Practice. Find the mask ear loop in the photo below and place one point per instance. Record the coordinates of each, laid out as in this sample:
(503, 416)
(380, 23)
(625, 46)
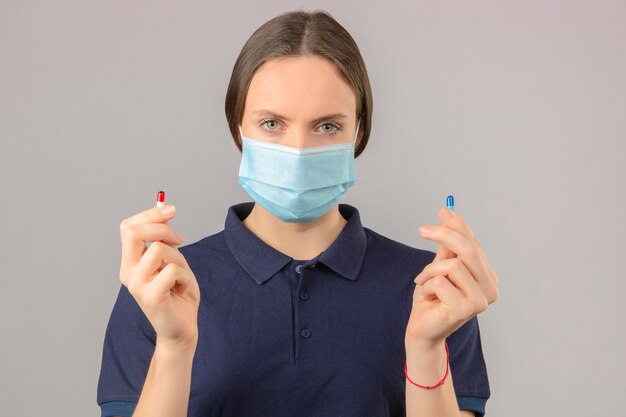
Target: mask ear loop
(357, 131)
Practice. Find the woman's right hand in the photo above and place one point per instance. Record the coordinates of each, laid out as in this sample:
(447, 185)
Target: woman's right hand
(159, 278)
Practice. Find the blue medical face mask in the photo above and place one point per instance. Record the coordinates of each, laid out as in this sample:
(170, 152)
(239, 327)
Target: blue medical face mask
(297, 185)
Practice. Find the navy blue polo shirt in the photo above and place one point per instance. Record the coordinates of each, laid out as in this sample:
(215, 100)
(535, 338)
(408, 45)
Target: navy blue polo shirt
(292, 337)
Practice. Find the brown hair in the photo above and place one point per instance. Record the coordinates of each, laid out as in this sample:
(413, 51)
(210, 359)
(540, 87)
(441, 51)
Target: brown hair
(293, 34)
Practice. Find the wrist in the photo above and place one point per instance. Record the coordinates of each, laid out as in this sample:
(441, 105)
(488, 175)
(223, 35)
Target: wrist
(179, 349)
(427, 363)
(424, 345)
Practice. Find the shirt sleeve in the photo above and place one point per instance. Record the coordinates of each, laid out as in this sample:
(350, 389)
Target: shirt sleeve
(117, 408)
(468, 368)
(129, 344)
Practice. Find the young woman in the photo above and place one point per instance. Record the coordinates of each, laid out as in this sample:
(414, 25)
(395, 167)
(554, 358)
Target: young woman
(296, 308)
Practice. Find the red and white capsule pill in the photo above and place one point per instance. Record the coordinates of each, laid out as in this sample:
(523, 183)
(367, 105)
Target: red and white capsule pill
(160, 199)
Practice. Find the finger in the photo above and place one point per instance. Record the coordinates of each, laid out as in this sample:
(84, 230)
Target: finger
(134, 234)
(443, 253)
(151, 215)
(493, 275)
(157, 256)
(456, 222)
(453, 220)
(171, 278)
(466, 250)
(454, 303)
(152, 232)
(459, 276)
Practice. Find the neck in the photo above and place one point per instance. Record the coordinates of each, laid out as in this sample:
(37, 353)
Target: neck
(301, 241)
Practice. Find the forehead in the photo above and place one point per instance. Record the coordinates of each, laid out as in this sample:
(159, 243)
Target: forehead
(300, 85)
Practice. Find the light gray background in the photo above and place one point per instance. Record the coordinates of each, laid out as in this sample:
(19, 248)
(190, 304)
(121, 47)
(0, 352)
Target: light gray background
(516, 108)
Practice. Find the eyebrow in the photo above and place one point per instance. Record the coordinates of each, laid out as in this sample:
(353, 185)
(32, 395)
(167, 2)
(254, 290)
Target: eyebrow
(319, 119)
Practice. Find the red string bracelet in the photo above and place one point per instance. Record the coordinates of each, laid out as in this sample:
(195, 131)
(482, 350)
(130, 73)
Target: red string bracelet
(442, 379)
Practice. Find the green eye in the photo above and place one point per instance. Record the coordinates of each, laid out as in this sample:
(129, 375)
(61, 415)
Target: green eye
(328, 125)
(270, 121)
(272, 125)
(333, 128)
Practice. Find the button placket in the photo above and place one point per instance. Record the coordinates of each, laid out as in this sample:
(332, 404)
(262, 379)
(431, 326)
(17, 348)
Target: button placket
(304, 295)
(303, 332)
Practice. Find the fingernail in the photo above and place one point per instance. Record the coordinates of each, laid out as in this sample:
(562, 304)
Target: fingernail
(426, 229)
(168, 210)
(180, 237)
(448, 213)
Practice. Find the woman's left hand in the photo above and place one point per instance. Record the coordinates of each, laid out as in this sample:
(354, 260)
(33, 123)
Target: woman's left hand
(451, 289)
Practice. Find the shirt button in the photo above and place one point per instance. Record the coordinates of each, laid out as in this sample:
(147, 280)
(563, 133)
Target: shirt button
(299, 269)
(304, 295)
(305, 333)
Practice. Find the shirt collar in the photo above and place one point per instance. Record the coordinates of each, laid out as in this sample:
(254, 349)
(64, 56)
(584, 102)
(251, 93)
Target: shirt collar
(261, 261)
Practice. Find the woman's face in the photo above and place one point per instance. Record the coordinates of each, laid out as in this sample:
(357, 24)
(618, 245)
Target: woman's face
(301, 102)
